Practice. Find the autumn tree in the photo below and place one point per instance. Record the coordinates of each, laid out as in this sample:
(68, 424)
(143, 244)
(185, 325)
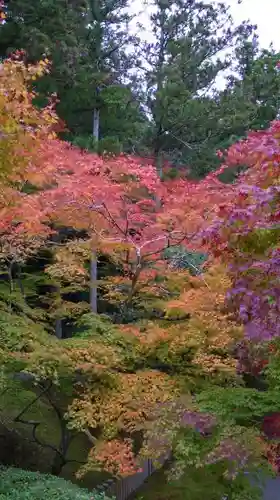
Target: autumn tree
(21, 123)
(255, 233)
(242, 418)
(23, 127)
(246, 235)
(43, 367)
(118, 210)
(120, 386)
(113, 201)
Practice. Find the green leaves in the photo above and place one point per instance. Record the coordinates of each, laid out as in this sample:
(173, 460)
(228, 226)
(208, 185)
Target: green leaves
(18, 484)
(87, 47)
(258, 241)
(239, 404)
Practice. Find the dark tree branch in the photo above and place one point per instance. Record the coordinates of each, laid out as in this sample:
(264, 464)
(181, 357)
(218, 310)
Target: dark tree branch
(60, 452)
(35, 424)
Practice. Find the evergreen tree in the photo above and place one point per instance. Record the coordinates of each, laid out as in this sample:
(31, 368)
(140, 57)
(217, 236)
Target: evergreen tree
(95, 56)
(184, 63)
(192, 118)
(258, 81)
(86, 42)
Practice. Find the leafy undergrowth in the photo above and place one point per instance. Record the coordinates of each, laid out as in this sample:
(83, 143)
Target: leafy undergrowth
(17, 484)
(197, 484)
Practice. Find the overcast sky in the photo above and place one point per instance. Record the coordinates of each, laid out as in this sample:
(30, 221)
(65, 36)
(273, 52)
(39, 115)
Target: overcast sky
(264, 13)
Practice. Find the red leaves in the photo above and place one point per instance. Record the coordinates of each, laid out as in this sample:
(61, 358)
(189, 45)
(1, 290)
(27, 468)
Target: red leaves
(271, 426)
(119, 199)
(23, 132)
(117, 457)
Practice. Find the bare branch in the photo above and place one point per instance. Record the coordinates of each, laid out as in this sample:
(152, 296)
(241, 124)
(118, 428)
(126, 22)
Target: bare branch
(90, 436)
(35, 424)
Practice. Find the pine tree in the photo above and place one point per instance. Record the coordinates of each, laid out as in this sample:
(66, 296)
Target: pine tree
(184, 63)
(86, 42)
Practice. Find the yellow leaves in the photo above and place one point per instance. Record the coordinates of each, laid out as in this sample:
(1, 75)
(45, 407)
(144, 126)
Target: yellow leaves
(116, 289)
(47, 359)
(177, 282)
(86, 353)
(115, 249)
(22, 125)
(67, 309)
(80, 415)
(52, 135)
(137, 396)
(124, 408)
(175, 310)
(33, 72)
(184, 338)
(210, 329)
(8, 125)
(69, 263)
(197, 333)
(204, 296)
(211, 363)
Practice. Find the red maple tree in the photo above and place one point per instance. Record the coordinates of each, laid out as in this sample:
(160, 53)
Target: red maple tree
(126, 210)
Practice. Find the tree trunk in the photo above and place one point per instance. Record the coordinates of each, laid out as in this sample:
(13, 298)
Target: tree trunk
(58, 321)
(93, 282)
(58, 328)
(158, 107)
(57, 465)
(95, 125)
(93, 261)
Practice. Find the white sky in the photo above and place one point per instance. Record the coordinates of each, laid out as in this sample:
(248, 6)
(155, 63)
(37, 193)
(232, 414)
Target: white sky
(264, 13)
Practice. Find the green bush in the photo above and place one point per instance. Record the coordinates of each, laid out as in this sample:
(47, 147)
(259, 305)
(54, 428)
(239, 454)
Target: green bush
(87, 142)
(18, 484)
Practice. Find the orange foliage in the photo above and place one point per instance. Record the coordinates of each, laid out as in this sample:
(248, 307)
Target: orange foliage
(127, 406)
(22, 125)
(125, 209)
(198, 326)
(23, 128)
(130, 214)
(114, 456)
(123, 409)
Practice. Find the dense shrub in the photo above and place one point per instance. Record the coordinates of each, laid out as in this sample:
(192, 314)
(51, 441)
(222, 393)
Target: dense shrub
(18, 484)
